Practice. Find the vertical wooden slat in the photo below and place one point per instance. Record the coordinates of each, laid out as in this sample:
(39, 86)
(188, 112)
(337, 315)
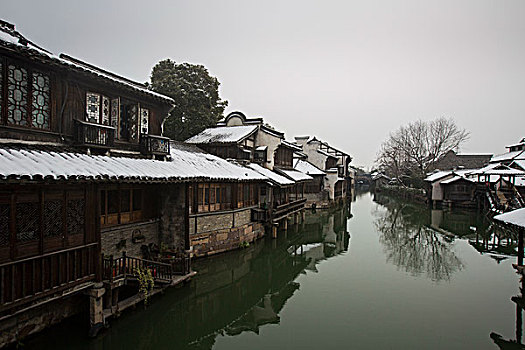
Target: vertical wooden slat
(2, 285)
(67, 268)
(58, 270)
(33, 276)
(13, 294)
(12, 228)
(520, 246)
(24, 279)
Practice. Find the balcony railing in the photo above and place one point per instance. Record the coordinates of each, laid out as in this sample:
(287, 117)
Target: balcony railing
(154, 145)
(283, 210)
(24, 281)
(161, 271)
(94, 135)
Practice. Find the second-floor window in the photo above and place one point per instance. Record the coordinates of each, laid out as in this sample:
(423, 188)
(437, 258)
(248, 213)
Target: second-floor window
(27, 102)
(128, 118)
(283, 157)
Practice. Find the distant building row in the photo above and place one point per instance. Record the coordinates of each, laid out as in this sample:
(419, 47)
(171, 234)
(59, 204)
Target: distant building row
(495, 183)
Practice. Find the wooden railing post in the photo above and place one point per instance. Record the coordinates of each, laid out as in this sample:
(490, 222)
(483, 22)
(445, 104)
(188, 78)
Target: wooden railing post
(102, 266)
(111, 268)
(124, 263)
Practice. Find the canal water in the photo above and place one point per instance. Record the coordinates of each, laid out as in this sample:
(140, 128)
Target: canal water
(378, 274)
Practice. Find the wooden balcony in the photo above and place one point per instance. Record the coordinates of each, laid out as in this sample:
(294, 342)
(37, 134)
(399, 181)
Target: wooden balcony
(283, 210)
(27, 280)
(94, 135)
(154, 145)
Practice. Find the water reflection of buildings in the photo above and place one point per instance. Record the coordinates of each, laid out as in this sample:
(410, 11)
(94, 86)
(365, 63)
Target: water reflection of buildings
(411, 243)
(480, 231)
(234, 292)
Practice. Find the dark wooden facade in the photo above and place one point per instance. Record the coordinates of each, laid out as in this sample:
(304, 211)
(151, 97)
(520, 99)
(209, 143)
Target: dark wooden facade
(50, 228)
(76, 105)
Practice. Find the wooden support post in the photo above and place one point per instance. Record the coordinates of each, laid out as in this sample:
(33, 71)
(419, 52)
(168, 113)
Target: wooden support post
(519, 323)
(520, 247)
(187, 217)
(274, 231)
(285, 223)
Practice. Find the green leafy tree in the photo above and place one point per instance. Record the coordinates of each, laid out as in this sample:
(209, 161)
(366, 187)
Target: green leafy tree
(196, 95)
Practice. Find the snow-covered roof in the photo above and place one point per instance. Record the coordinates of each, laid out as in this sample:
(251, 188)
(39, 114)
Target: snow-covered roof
(517, 144)
(508, 156)
(324, 153)
(295, 175)
(501, 172)
(12, 39)
(188, 163)
(515, 217)
(223, 134)
(292, 145)
(520, 163)
(377, 176)
(261, 148)
(307, 167)
(271, 175)
(437, 175)
(454, 179)
(473, 154)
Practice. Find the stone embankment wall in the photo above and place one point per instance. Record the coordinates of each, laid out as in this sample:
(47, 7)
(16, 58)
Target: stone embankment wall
(14, 329)
(213, 233)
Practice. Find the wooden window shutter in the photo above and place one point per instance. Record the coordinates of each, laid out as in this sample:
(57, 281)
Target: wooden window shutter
(144, 121)
(115, 113)
(105, 109)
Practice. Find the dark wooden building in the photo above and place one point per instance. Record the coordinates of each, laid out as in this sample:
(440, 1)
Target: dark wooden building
(90, 191)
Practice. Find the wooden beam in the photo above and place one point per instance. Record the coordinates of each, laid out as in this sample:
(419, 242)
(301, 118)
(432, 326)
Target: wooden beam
(520, 246)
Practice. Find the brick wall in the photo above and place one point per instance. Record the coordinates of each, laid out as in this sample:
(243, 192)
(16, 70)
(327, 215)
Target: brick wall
(243, 217)
(116, 239)
(215, 232)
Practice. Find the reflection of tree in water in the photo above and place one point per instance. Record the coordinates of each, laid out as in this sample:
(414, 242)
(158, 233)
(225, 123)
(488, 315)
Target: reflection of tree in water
(411, 245)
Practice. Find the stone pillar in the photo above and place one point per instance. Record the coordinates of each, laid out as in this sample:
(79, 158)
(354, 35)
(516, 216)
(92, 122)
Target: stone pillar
(96, 308)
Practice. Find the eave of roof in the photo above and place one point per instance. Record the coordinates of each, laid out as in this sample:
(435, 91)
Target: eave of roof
(14, 41)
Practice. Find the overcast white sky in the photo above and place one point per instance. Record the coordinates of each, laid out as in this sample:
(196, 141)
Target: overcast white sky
(348, 72)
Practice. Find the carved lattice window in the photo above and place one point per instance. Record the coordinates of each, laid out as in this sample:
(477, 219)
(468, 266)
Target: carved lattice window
(105, 110)
(75, 216)
(133, 123)
(27, 216)
(17, 95)
(92, 107)
(115, 113)
(144, 120)
(53, 224)
(40, 109)
(5, 210)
